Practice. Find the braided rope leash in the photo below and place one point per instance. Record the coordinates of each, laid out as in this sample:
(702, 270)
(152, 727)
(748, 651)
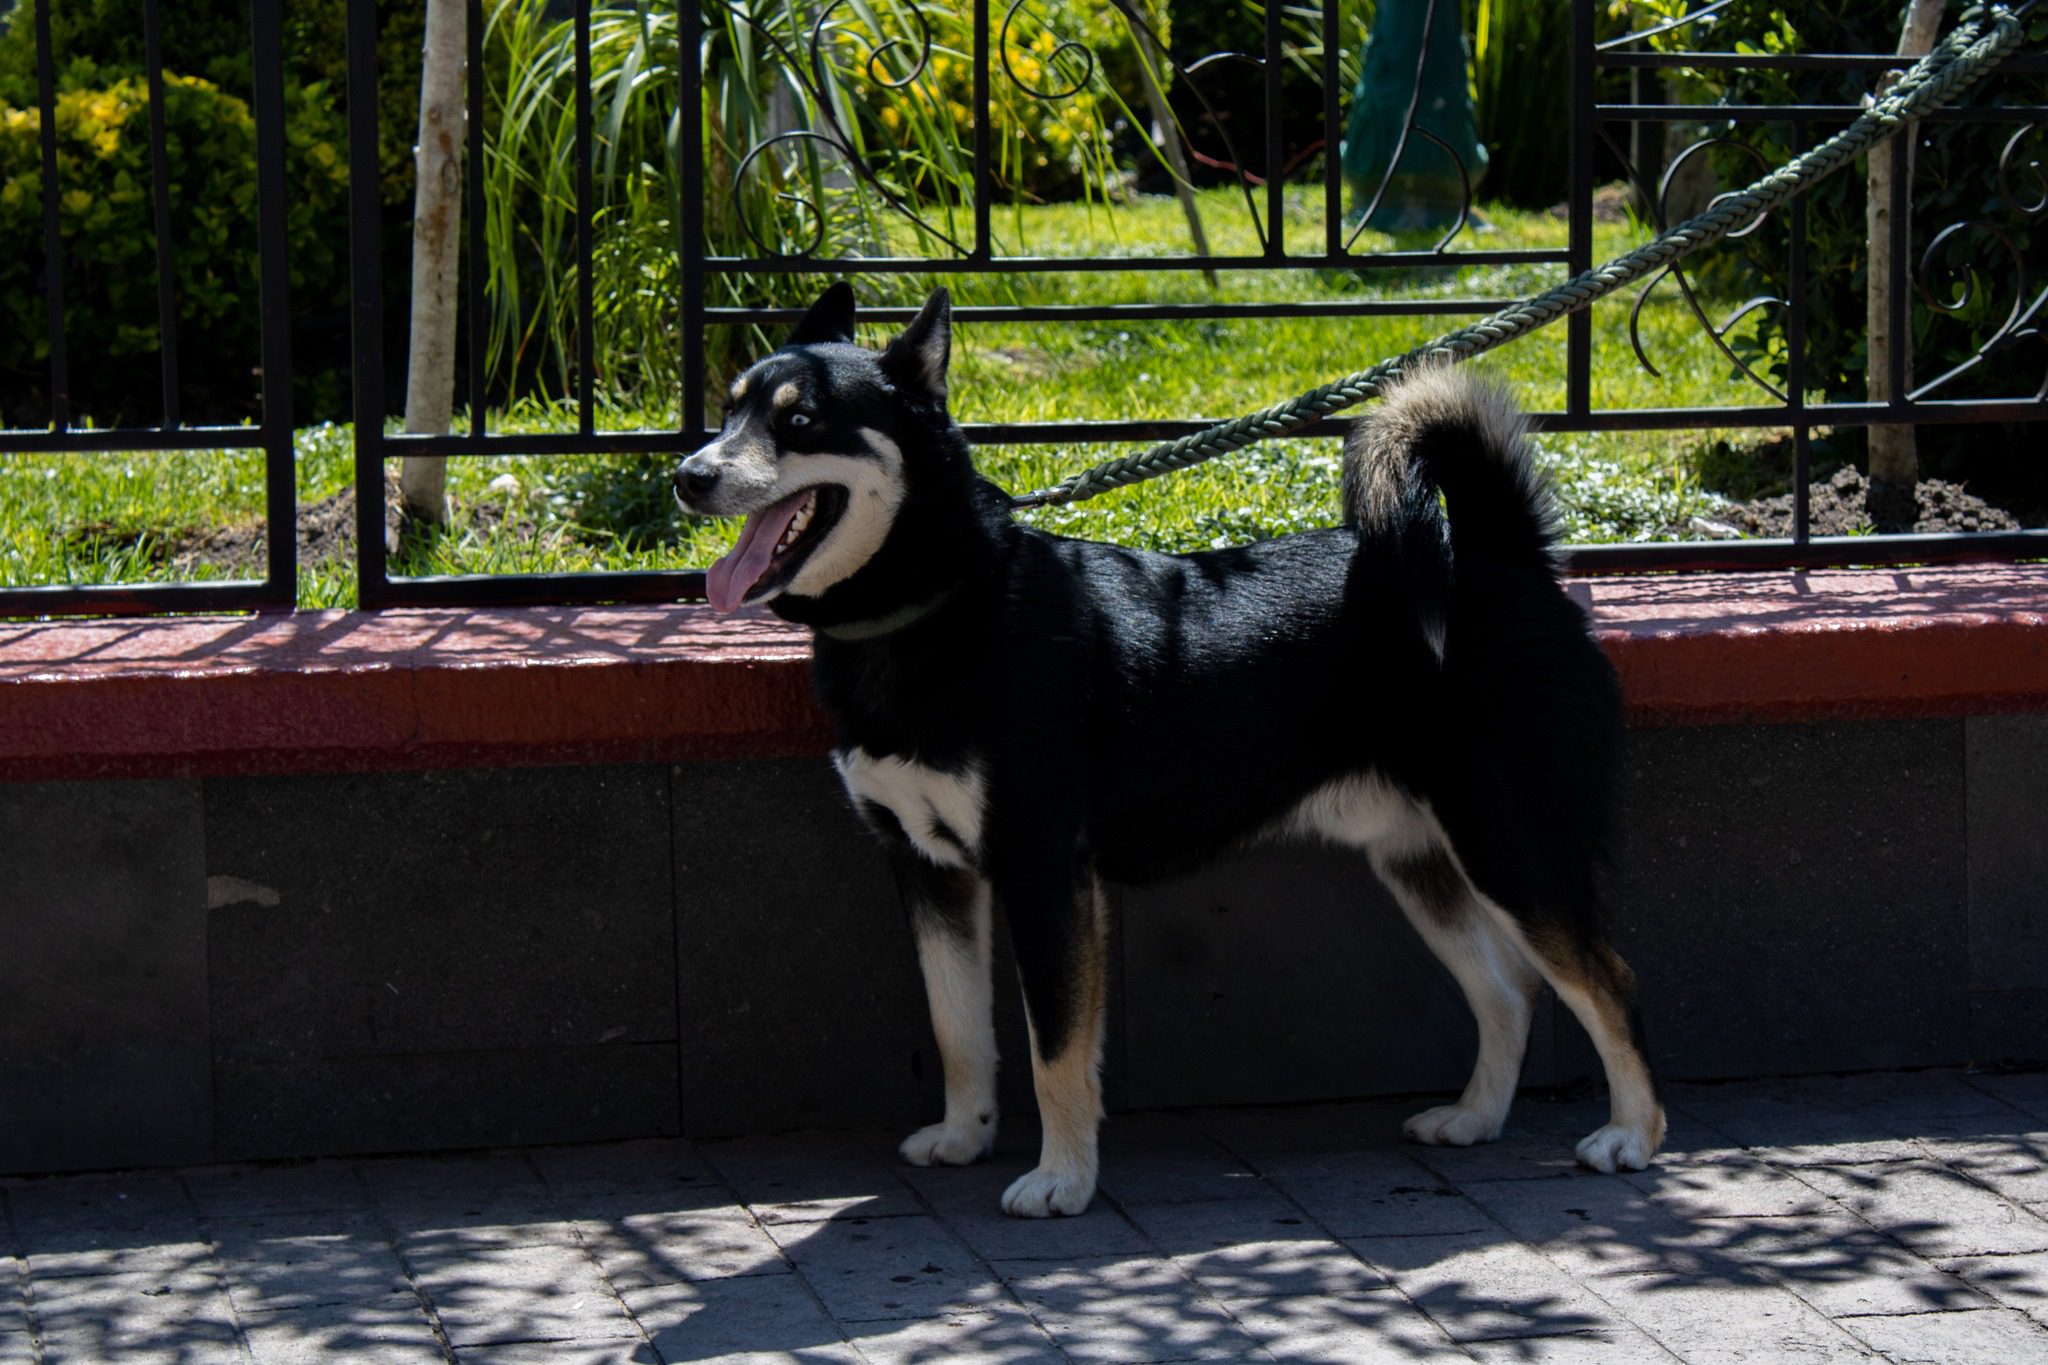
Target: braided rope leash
(1972, 49)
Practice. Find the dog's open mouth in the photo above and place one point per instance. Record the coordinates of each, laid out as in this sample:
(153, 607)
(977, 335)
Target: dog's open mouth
(773, 545)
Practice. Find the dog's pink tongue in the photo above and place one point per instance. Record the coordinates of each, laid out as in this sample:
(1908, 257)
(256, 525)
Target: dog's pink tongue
(728, 581)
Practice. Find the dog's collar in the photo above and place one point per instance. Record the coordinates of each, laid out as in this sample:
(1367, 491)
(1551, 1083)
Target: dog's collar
(888, 623)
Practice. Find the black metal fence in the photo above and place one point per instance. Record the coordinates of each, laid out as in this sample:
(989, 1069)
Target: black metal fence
(272, 434)
(1600, 127)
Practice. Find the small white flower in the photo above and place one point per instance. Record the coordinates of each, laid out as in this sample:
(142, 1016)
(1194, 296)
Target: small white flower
(508, 484)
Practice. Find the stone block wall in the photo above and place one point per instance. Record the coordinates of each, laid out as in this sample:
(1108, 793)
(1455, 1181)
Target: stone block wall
(219, 968)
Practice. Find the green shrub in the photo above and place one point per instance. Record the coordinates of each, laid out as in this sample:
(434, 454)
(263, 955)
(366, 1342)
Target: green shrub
(97, 42)
(99, 48)
(110, 285)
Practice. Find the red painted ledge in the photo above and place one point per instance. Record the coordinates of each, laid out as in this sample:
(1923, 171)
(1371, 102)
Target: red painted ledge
(341, 691)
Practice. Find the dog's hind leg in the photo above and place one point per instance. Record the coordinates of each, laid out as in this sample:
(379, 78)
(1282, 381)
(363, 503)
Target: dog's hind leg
(1063, 958)
(1499, 983)
(1590, 977)
(951, 918)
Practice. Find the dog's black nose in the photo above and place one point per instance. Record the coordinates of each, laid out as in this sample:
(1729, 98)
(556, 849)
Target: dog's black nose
(693, 484)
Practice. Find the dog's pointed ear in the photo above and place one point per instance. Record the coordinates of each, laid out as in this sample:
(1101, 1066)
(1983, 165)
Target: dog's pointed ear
(916, 360)
(830, 318)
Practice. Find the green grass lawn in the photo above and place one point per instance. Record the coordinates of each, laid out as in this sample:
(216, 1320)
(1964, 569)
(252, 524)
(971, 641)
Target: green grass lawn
(146, 517)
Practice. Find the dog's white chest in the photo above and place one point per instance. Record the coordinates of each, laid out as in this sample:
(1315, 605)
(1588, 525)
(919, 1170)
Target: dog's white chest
(939, 811)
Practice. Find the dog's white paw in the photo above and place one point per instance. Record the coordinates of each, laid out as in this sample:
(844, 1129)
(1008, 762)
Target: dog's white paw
(940, 1145)
(1617, 1147)
(1042, 1193)
(1453, 1125)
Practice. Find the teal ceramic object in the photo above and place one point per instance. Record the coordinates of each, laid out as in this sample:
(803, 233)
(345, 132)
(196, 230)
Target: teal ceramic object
(1426, 190)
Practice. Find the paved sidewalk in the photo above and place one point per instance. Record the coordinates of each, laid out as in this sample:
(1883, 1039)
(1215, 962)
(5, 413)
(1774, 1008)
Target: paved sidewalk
(1894, 1217)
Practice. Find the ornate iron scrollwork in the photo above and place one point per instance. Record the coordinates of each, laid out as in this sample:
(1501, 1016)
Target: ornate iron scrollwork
(1659, 203)
(877, 52)
(1946, 277)
(1941, 260)
(832, 135)
(1051, 61)
(2027, 208)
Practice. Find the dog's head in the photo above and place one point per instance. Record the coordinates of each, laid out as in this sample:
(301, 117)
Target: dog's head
(812, 452)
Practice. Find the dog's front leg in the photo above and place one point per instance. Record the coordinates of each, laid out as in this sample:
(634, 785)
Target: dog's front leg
(950, 915)
(1061, 936)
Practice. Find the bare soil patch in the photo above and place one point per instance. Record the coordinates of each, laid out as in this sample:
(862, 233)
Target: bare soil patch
(1838, 510)
(327, 531)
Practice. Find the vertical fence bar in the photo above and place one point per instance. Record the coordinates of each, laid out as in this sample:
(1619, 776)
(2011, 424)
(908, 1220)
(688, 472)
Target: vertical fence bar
(53, 240)
(280, 472)
(479, 248)
(586, 412)
(984, 181)
(1578, 334)
(366, 292)
(690, 150)
(160, 195)
(1795, 358)
(1276, 143)
(1333, 162)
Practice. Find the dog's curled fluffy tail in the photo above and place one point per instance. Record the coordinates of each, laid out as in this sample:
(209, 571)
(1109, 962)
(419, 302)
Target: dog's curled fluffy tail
(1443, 427)
(1446, 429)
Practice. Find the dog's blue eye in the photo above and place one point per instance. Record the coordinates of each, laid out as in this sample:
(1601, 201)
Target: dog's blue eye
(797, 419)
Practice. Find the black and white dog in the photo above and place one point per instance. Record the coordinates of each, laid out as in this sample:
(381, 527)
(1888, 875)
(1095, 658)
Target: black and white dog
(1023, 716)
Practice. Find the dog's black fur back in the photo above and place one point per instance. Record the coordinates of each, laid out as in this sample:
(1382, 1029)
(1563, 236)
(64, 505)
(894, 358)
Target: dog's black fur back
(1164, 707)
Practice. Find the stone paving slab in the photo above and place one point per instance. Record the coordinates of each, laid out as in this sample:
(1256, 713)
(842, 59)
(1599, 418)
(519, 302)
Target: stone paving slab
(641, 1250)
(1964, 1338)
(968, 1199)
(398, 1332)
(1897, 1217)
(2016, 1281)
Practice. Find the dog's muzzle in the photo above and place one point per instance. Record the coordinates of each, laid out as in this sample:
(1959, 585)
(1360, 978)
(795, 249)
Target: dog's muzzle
(694, 480)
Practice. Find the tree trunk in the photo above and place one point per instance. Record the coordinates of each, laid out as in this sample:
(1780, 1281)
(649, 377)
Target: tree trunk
(1894, 457)
(436, 242)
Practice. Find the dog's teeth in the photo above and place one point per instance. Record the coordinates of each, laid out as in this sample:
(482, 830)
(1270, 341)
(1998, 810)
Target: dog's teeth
(797, 524)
